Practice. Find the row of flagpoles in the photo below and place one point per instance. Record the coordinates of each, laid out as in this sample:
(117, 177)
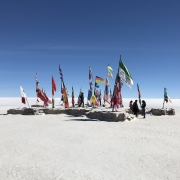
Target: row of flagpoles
(123, 75)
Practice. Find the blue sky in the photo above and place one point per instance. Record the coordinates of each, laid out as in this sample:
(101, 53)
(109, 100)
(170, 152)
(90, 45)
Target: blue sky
(37, 36)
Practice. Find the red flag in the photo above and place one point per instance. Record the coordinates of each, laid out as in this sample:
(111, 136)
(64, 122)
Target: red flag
(53, 84)
(23, 100)
(41, 96)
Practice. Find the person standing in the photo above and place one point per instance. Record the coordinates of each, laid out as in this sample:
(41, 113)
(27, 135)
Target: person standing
(131, 105)
(135, 108)
(143, 106)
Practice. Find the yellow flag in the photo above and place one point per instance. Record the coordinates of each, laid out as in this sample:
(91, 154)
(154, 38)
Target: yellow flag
(93, 98)
(110, 68)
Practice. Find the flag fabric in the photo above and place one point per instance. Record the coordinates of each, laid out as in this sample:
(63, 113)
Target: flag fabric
(117, 91)
(63, 89)
(37, 84)
(90, 78)
(60, 73)
(94, 100)
(106, 95)
(72, 95)
(53, 84)
(96, 85)
(96, 93)
(99, 79)
(89, 94)
(139, 94)
(65, 98)
(53, 89)
(109, 73)
(48, 100)
(109, 68)
(23, 95)
(42, 96)
(106, 92)
(125, 75)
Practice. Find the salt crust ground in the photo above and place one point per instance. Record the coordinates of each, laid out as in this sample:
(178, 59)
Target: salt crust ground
(64, 147)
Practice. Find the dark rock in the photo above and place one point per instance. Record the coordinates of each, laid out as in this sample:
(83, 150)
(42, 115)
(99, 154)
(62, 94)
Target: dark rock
(171, 111)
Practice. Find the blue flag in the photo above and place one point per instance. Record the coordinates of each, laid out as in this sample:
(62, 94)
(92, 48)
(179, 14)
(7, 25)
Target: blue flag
(89, 94)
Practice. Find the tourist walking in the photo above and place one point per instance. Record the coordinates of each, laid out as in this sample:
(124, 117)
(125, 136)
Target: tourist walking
(135, 108)
(143, 106)
(81, 99)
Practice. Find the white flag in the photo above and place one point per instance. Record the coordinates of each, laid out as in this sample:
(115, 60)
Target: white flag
(23, 95)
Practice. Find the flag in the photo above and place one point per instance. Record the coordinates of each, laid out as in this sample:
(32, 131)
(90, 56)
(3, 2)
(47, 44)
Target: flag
(96, 85)
(53, 89)
(48, 100)
(89, 94)
(109, 73)
(53, 84)
(125, 75)
(139, 94)
(107, 82)
(94, 100)
(42, 96)
(72, 95)
(90, 78)
(62, 87)
(166, 97)
(109, 68)
(99, 79)
(23, 95)
(60, 73)
(106, 95)
(65, 98)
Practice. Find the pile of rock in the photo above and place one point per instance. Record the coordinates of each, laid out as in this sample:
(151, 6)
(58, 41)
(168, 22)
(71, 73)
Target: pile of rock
(109, 116)
(90, 113)
(159, 112)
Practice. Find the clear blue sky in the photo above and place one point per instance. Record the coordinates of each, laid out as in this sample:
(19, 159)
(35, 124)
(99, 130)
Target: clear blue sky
(38, 35)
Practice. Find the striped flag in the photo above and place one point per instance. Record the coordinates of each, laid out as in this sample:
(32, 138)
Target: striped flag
(60, 73)
(109, 67)
(99, 79)
(109, 73)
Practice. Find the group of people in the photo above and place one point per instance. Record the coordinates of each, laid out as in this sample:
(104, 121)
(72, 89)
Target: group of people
(135, 109)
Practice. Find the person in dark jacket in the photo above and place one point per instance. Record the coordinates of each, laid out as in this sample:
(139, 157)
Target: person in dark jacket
(135, 108)
(81, 99)
(143, 106)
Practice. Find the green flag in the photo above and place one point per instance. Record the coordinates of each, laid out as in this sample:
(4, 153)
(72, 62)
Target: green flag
(125, 74)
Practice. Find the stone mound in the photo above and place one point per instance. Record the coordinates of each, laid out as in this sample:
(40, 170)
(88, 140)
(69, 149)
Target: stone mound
(90, 113)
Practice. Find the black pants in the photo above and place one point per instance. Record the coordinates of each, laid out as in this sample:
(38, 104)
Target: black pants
(82, 102)
(136, 113)
(143, 112)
